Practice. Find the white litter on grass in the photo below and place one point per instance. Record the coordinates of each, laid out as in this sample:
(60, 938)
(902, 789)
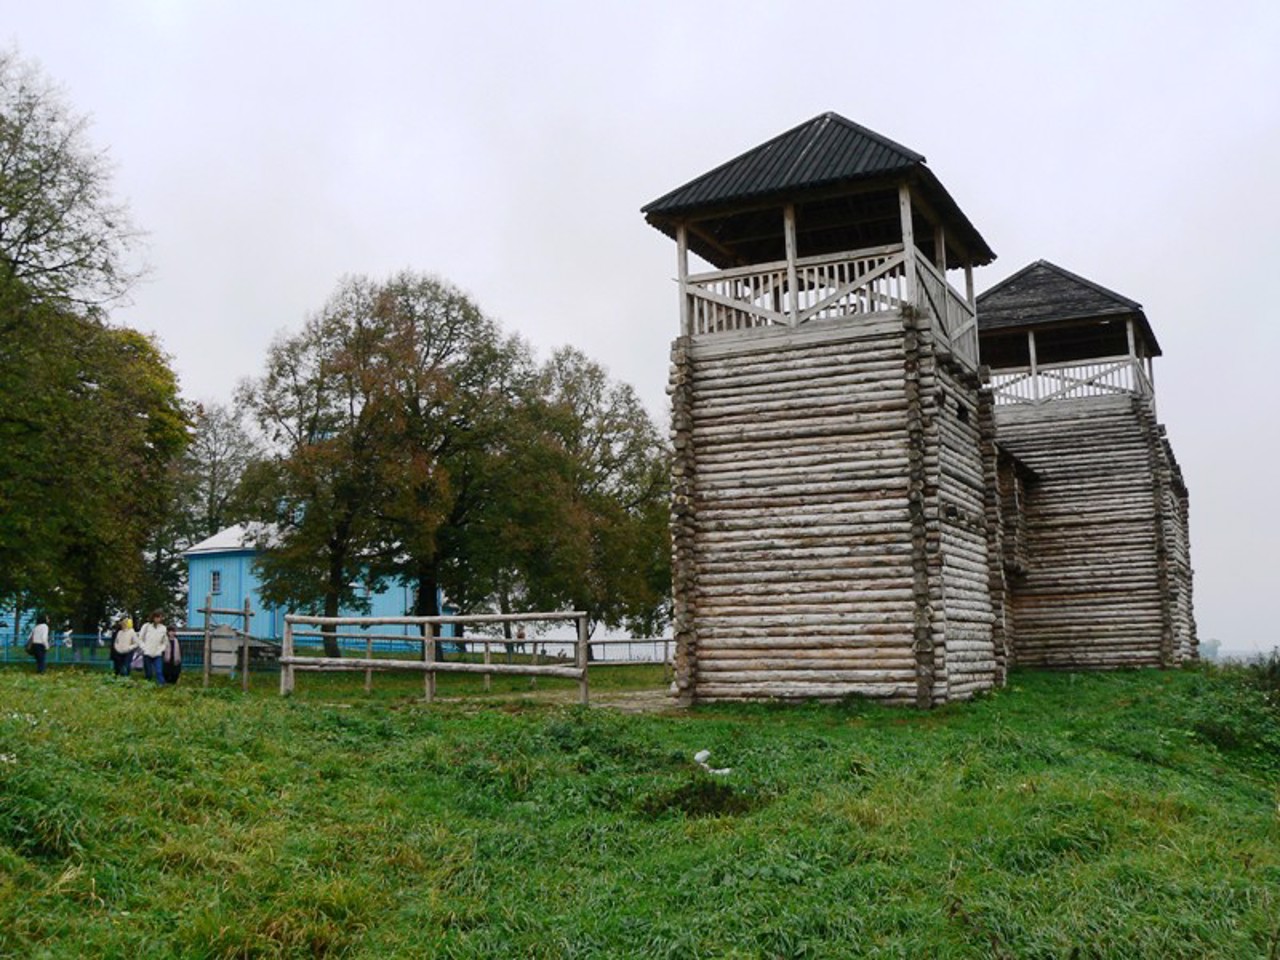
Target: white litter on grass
(701, 758)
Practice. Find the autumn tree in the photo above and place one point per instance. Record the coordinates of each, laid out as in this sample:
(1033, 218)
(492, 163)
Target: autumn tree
(91, 423)
(607, 551)
(453, 394)
(63, 237)
(90, 418)
(413, 441)
(317, 488)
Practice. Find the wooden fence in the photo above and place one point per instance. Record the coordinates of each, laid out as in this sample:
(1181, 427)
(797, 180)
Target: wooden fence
(427, 663)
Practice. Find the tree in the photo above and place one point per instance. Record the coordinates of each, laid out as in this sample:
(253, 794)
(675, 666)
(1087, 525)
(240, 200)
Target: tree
(90, 419)
(204, 482)
(414, 441)
(91, 423)
(452, 394)
(608, 552)
(62, 236)
(318, 486)
(221, 450)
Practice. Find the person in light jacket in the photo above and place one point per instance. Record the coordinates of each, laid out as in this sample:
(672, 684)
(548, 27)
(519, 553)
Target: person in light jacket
(39, 641)
(153, 638)
(125, 643)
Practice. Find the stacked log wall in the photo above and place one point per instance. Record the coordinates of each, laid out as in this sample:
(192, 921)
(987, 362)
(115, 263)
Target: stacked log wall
(1177, 535)
(966, 624)
(1097, 588)
(795, 573)
(829, 519)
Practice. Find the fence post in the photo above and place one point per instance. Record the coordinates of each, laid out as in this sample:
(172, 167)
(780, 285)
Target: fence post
(208, 639)
(583, 695)
(429, 657)
(368, 673)
(488, 677)
(244, 648)
(286, 668)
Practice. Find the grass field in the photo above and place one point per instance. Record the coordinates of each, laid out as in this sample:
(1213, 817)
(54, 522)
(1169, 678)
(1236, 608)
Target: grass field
(1120, 815)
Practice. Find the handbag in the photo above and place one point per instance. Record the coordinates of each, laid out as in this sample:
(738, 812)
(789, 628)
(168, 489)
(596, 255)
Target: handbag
(30, 648)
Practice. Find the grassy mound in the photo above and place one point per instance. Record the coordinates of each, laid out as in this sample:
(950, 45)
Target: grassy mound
(1120, 815)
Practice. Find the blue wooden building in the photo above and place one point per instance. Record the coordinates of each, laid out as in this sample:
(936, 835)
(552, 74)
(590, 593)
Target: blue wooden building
(222, 567)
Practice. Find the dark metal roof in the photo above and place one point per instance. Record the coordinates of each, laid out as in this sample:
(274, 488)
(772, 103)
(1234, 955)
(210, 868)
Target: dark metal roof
(825, 150)
(811, 160)
(1042, 293)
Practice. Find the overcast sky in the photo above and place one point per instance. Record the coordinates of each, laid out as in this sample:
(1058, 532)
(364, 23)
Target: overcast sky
(270, 148)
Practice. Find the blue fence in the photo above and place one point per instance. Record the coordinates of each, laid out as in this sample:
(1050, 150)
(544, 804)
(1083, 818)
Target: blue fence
(89, 650)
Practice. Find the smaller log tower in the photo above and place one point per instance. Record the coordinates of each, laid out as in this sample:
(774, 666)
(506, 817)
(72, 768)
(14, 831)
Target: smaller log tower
(834, 443)
(1102, 574)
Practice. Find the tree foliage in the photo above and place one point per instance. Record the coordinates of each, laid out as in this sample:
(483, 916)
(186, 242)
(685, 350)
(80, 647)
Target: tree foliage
(317, 489)
(413, 441)
(610, 553)
(62, 235)
(90, 419)
(90, 422)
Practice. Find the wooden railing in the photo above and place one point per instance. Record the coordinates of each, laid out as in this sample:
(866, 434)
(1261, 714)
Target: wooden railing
(763, 295)
(1100, 377)
(834, 285)
(955, 324)
(427, 663)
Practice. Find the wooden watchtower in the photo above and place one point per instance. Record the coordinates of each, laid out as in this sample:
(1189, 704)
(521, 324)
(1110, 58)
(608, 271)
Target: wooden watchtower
(834, 444)
(1104, 572)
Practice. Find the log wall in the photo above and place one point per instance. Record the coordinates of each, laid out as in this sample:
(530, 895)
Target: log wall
(830, 517)
(967, 621)
(1105, 555)
(1178, 537)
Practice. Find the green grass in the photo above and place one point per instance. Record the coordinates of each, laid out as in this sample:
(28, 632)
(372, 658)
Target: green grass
(1110, 815)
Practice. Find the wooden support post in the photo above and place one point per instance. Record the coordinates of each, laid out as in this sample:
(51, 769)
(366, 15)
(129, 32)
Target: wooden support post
(1035, 375)
(1135, 373)
(789, 228)
(940, 250)
(208, 635)
(286, 668)
(429, 657)
(488, 677)
(533, 681)
(682, 272)
(244, 648)
(368, 674)
(968, 287)
(908, 240)
(583, 692)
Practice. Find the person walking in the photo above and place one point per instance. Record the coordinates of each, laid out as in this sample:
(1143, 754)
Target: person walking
(172, 657)
(38, 642)
(153, 639)
(123, 646)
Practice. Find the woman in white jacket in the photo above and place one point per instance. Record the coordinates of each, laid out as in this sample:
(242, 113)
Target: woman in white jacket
(153, 638)
(39, 641)
(123, 645)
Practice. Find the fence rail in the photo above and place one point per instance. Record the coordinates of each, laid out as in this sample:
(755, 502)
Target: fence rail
(763, 295)
(93, 650)
(1099, 377)
(429, 663)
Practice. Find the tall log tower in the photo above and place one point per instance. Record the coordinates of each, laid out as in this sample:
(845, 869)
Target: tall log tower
(835, 461)
(1103, 570)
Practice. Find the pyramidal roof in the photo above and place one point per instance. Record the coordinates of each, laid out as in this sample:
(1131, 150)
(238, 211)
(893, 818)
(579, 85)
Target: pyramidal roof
(825, 150)
(1045, 293)
(809, 162)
